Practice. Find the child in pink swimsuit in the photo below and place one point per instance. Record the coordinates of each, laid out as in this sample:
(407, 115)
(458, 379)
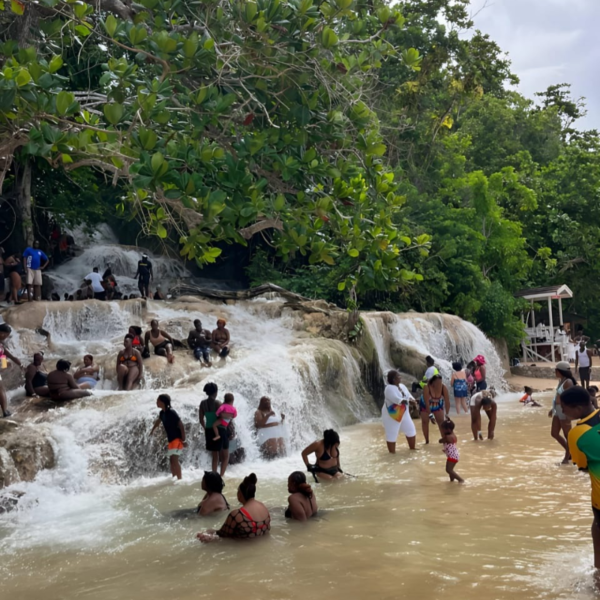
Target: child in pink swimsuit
(225, 414)
(450, 450)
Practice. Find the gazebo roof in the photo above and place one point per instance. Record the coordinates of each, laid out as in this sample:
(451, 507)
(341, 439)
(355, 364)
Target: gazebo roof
(554, 292)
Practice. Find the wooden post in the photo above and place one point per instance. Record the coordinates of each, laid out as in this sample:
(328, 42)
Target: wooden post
(523, 346)
(560, 315)
(533, 343)
(551, 328)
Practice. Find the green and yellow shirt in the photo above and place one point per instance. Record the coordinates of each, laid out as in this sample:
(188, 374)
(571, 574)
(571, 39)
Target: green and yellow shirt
(584, 444)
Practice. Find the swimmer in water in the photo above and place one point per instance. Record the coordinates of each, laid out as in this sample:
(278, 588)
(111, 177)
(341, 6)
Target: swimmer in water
(161, 340)
(527, 398)
(87, 376)
(302, 503)
(327, 451)
(174, 430)
(451, 450)
(214, 500)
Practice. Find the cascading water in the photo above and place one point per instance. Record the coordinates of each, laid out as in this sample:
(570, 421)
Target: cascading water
(102, 443)
(101, 250)
(444, 337)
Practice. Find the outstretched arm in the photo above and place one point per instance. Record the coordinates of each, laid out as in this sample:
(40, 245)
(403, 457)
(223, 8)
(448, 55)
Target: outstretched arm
(166, 335)
(446, 399)
(492, 423)
(12, 357)
(156, 424)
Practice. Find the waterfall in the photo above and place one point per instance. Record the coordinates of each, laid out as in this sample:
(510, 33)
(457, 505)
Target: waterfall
(413, 336)
(101, 250)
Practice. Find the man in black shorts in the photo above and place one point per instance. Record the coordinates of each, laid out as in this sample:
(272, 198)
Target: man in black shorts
(145, 274)
(583, 361)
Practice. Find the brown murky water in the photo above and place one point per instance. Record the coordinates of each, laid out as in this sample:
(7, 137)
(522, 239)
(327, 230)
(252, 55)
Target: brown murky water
(518, 529)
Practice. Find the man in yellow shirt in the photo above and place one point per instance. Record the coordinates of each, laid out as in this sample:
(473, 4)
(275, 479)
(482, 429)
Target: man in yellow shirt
(584, 445)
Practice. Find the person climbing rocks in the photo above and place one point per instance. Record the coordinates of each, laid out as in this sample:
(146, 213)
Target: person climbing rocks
(96, 280)
(144, 274)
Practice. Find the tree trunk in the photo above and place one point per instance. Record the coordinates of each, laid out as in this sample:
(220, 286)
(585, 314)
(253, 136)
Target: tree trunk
(23, 201)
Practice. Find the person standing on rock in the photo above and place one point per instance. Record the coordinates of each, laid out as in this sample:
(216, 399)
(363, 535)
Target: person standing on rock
(583, 362)
(144, 274)
(96, 280)
(36, 377)
(34, 261)
(5, 331)
(395, 413)
(14, 269)
(175, 433)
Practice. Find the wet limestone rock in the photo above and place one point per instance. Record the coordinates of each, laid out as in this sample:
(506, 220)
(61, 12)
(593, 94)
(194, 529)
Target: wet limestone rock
(24, 451)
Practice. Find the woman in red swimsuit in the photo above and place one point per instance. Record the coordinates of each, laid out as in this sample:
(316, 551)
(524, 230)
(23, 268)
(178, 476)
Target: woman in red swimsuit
(252, 520)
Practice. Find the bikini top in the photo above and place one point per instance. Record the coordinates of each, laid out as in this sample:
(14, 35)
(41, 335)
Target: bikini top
(132, 358)
(326, 456)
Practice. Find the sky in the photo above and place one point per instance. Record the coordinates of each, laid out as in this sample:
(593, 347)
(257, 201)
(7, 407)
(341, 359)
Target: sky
(548, 42)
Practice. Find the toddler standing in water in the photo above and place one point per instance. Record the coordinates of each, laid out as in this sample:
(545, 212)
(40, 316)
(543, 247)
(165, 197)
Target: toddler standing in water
(225, 414)
(450, 450)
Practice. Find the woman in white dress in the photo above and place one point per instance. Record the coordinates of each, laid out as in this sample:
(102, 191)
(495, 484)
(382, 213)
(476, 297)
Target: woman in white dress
(395, 413)
(269, 429)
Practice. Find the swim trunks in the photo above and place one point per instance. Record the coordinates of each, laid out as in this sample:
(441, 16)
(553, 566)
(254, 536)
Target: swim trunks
(175, 448)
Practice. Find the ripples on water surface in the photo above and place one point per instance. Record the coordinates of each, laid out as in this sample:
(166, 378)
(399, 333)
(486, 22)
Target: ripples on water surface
(518, 529)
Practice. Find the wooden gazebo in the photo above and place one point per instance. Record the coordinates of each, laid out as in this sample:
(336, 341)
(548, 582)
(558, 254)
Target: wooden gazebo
(541, 337)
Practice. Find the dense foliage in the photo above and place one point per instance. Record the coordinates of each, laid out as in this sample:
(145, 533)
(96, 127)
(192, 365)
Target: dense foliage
(364, 153)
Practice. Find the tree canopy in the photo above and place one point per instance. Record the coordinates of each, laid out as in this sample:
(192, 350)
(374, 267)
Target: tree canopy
(363, 152)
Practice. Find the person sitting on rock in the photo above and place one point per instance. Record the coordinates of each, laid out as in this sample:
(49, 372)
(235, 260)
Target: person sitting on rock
(87, 376)
(199, 340)
(158, 295)
(221, 339)
(161, 340)
(36, 377)
(62, 385)
(129, 365)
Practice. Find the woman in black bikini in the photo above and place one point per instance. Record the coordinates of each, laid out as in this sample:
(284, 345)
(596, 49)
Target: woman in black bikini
(13, 268)
(129, 365)
(252, 520)
(302, 504)
(213, 501)
(327, 451)
(36, 377)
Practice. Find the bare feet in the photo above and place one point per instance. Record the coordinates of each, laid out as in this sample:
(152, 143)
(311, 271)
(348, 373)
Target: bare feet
(170, 358)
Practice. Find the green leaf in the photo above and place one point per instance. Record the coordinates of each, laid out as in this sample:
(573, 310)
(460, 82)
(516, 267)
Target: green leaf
(157, 161)
(328, 38)
(66, 159)
(279, 203)
(353, 252)
(55, 64)
(63, 101)
(341, 286)
(23, 78)
(17, 7)
(111, 25)
(113, 113)
(161, 231)
(149, 3)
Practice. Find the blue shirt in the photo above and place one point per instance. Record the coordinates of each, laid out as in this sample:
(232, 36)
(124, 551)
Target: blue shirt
(34, 258)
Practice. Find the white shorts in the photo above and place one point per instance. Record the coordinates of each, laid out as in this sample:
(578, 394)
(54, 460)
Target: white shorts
(34, 276)
(393, 428)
